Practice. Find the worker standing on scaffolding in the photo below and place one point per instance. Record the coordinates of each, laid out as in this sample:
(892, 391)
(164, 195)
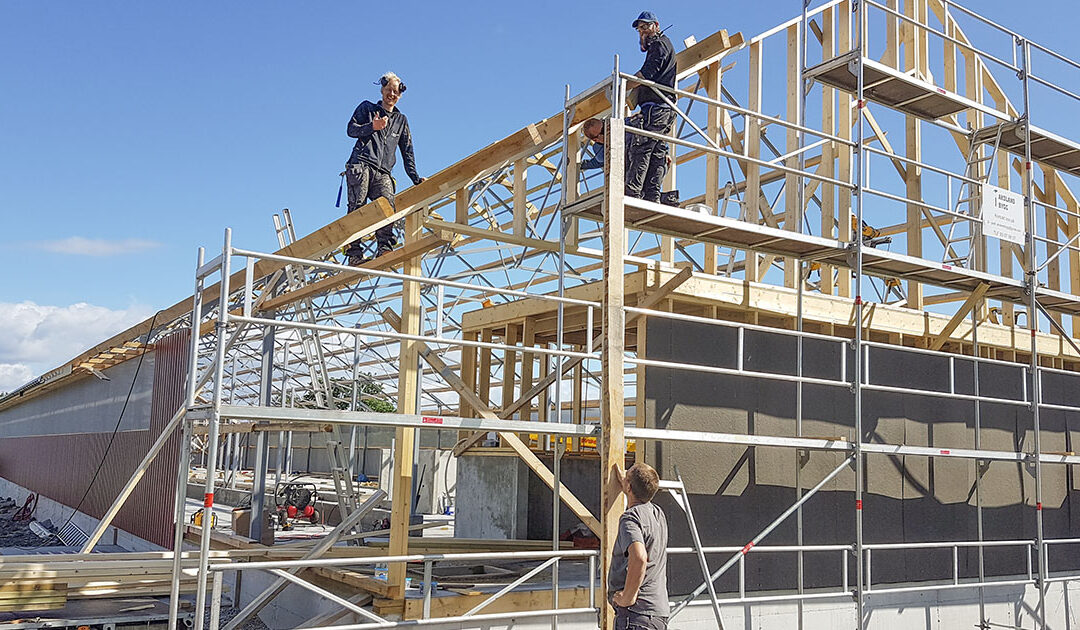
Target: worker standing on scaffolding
(647, 161)
(380, 130)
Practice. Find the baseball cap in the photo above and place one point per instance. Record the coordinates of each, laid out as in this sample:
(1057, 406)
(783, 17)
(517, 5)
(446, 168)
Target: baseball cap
(646, 16)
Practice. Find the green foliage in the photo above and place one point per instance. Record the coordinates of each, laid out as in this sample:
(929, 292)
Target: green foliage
(370, 393)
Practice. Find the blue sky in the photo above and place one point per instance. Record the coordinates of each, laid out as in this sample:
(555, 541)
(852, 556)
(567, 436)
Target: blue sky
(133, 132)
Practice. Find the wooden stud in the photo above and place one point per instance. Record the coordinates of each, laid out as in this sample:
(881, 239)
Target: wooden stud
(844, 124)
(461, 206)
(713, 76)
(483, 385)
(752, 149)
(520, 202)
(573, 175)
(792, 183)
(827, 167)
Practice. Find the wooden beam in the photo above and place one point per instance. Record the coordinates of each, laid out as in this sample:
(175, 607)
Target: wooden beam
(408, 395)
(393, 259)
(713, 77)
(965, 308)
(612, 445)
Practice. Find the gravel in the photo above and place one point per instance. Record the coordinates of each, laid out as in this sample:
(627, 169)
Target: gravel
(228, 613)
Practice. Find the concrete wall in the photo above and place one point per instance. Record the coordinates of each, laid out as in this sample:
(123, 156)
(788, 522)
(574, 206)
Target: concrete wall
(737, 491)
(499, 497)
(492, 498)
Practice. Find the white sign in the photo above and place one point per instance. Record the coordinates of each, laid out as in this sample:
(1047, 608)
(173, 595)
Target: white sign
(1003, 214)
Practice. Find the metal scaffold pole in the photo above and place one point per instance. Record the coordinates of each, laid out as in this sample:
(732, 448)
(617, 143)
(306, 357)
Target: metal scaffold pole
(1033, 326)
(212, 433)
(860, 183)
(801, 280)
(185, 447)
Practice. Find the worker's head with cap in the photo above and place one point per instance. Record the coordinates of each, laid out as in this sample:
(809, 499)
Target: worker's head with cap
(647, 25)
(392, 88)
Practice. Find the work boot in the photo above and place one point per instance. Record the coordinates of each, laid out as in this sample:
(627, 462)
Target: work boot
(356, 261)
(670, 198)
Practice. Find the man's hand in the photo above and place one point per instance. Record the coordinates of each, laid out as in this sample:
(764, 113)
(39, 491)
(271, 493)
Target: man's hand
(379, 122)
(621, 599)
(620, 474)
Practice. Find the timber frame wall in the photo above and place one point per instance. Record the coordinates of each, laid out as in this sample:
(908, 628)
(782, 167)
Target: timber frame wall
(511, 304)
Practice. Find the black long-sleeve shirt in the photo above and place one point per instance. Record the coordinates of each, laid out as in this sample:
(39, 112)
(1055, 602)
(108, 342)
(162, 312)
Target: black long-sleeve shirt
(377, 148)
(659, 67)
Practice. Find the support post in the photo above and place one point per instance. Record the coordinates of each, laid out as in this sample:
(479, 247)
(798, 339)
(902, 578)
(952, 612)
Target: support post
(408, 390)
(612, 441)
(712, 76)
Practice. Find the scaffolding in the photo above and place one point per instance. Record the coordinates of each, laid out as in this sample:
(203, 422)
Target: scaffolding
(527, 289)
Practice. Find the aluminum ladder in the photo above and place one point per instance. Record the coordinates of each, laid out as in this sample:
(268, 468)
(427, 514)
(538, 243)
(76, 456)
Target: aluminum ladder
(341, 472)
(960, 242)
(310, 343)
(678, 493)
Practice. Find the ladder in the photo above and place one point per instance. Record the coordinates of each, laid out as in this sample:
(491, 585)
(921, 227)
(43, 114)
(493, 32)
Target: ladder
(340, 471)
(678, 493)
(960, 242)
(310, 343)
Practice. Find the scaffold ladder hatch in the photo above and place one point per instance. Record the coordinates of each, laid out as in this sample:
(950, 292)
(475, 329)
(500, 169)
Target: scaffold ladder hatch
(678, 493)
(310, 344)
(964, 231)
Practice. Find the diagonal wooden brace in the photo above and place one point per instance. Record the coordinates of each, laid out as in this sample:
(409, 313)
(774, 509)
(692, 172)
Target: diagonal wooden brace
(522, 450)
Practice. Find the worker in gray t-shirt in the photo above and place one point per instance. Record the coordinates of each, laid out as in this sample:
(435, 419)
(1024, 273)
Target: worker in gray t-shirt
(637, 578)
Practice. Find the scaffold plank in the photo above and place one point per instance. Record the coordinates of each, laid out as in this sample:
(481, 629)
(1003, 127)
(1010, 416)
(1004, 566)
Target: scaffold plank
(899, 90)
(1046, 148)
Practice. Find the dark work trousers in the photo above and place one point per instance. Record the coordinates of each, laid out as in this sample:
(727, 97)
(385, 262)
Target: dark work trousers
(367, 183)
(626, 619)
(647, 157)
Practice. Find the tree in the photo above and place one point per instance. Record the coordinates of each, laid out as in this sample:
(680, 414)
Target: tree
(370, 393)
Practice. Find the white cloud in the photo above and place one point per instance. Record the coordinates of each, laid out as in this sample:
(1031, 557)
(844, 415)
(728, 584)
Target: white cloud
(13, 375)
(38, 337)
(78, 245)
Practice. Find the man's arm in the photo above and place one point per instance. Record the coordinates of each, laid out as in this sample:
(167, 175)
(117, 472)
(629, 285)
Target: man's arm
(360, 123)
(654, 60)
(637, 558)
(597, 161)
(406, 147)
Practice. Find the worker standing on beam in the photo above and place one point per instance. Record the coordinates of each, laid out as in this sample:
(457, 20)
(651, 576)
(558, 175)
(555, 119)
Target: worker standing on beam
(637, 578)
(647, 161)
(380, 130)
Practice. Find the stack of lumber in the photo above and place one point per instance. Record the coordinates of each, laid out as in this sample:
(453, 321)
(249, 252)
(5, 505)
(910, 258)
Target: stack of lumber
(50, 578)
(32, 595)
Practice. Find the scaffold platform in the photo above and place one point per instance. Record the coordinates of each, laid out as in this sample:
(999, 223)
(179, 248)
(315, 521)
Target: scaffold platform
(899, 90)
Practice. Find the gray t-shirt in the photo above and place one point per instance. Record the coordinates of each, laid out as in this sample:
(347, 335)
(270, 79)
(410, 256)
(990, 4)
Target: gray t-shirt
(647, 524)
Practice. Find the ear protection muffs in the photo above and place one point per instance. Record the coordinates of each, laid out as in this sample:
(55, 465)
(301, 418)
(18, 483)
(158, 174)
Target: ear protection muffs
(383, 81)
